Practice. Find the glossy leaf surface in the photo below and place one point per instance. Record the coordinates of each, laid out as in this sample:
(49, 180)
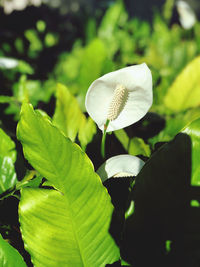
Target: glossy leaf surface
(71, 225)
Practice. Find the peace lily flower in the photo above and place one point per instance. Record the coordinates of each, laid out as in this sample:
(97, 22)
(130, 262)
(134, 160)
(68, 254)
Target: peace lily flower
(120, 166)
(120, 98)
(187, 15)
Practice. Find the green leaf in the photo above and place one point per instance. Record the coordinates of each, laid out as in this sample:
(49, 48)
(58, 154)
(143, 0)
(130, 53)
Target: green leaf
(134, 146)
(174, 124)
(7, 146)
(6, 99)
(9, 256)
(193, 130)
(185, 91)
(111, 19)
(24, 67)
(8, 176)
(68, 115)
(69, 227)
(86, 132)
(69, 118)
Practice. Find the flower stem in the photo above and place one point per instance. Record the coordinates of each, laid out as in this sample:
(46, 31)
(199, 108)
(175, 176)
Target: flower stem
(104, 139)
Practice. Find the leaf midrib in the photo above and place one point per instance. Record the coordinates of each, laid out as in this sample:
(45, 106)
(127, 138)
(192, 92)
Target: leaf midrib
(67, 201)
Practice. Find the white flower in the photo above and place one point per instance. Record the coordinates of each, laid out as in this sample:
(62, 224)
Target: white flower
(123, 97)
(8, 63)
(187, 15)
(119, 166)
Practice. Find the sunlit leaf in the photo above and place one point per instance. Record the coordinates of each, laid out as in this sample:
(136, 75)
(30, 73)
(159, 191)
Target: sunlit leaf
(69, 227)
(7, 146)
(9, 256)
(8, 176)
(185, 91)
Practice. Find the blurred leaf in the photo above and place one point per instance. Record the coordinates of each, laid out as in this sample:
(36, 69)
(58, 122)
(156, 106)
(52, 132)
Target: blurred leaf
(19, 89)
(111, 19)
(67, 68)
(193, 130)
(35, 44)
(24, 67)
(51, 39)
(9, 256)
(114, 19)
(6, 99)
(19, 45)
(76, 218)
(91, 30)
(92, 64)
(41, 25)
(185, 91)
(168, 10)
(134, 146)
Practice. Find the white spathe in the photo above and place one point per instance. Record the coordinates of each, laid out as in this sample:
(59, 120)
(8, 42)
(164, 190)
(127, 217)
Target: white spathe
(137, 80)
(119, 166)
(186, 15)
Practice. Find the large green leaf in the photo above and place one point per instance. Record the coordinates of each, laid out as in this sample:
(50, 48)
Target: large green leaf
(69, 227)
(69, 118)
(193, 130)
(9, 256)
(185, 91)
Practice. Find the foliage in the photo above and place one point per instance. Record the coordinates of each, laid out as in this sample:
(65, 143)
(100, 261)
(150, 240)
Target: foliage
(66, 215)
